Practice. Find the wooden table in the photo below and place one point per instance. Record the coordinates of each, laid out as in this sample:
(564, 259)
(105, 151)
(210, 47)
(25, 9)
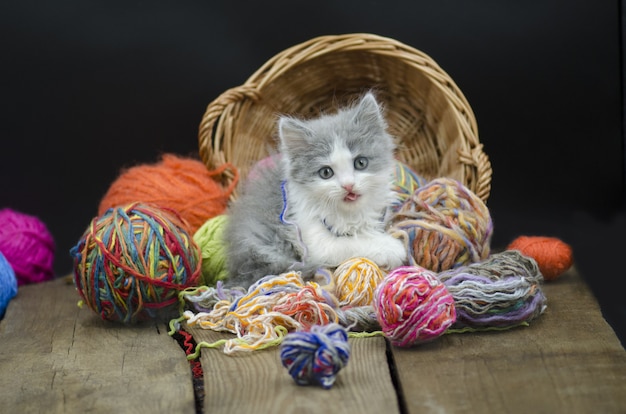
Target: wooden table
(58, 358)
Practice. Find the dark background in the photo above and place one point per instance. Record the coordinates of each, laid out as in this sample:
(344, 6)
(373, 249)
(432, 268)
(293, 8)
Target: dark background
(90, 87)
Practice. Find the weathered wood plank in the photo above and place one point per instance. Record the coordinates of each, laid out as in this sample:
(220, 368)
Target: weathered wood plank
(567, 361)
(58, 358)
(257, 382)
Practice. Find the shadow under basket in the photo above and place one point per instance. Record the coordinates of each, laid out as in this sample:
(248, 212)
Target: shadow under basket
(433, 123)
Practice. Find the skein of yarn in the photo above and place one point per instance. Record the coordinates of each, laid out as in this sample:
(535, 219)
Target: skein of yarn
(178, 183)
(210, 239)
(132, 261)
(8, 284)
(316, 356)
(27, 245)
(553, 255)
(443, 225)
(413, 306)
(502, 291)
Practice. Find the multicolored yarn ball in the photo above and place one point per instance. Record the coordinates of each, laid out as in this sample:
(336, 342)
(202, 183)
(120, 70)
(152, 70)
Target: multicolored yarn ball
(132, 261)
(502, 292)
(177, 183)
(355, 281)
(316, 356)
(27, 245)
(8, 284)
(413, 306)
(553, 255)
(210, 239)
(444, 225)
(405, 182)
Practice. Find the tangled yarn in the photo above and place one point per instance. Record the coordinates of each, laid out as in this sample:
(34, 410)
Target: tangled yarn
(209, 238)
(413, 306)
(444, 225)
(132, 261)
(8, 284)
(553, 256)
(272, 307)
(405, 182)
(317, 355)
(500, 292)
(181, 184)
(356, 280)
(27, 245)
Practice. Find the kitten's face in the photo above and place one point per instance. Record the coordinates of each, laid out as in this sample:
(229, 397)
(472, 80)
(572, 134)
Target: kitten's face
(343, 160)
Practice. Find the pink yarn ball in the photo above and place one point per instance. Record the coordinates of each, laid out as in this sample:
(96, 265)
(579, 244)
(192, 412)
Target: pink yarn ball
(413, 306)
(27, 245)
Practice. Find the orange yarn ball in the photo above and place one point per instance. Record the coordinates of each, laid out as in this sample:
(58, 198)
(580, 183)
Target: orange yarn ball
(182, 184)
(553, 256)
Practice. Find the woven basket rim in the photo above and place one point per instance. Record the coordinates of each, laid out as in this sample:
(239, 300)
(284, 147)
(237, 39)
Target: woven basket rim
(218, 121)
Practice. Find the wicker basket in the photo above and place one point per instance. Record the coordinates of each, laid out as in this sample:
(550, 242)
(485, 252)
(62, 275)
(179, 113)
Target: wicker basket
(433, 122)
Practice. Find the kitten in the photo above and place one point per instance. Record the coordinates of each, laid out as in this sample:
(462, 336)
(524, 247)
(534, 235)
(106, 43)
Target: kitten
(325, 201)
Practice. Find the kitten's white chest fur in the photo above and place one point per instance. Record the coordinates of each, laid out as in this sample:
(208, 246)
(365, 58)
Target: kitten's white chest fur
(345, 217)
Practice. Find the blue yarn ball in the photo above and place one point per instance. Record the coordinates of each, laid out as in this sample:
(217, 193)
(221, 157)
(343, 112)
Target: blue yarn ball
(316, 356)
(8, 284)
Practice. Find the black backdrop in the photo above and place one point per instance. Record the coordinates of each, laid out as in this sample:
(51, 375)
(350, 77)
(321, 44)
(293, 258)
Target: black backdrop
(90, 87)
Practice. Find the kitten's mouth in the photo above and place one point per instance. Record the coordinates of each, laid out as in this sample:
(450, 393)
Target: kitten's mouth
(350, 197)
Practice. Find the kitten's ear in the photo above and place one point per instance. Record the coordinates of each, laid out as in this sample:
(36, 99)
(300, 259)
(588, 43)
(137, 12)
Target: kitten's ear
(368, 112)
(293, 133)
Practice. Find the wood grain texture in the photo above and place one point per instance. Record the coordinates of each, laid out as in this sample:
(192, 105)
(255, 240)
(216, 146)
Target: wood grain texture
(257, 382)
(58, 358)
(567, 361)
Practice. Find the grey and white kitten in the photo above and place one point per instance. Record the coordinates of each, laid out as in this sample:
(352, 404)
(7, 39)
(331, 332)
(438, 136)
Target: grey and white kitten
(325, 201)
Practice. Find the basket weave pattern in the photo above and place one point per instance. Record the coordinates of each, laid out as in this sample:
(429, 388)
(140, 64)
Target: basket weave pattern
(426, 111)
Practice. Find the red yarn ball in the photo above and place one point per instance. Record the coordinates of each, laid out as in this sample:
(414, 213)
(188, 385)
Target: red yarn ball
(182, 184)
(553, 256)
(28, 246)
(413, 306)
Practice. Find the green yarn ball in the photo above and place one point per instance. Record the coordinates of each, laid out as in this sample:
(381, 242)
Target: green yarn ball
(209, 238)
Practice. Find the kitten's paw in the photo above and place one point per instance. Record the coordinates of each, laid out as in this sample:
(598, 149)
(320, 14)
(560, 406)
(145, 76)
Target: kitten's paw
(390, 253)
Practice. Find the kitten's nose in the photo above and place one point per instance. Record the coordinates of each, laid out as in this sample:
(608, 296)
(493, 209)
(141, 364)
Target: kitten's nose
(348, 187)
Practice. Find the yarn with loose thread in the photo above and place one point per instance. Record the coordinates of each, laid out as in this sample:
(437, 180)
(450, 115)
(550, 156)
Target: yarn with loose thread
(443, 225)
(501, 292)
(553, 256)
(8, 284)
(355, 281)
(270, 308)
(405, 183)
(210, 239)
(27, 245)
(132, 261)
(178, 183)
(413, 306)
(316, 356)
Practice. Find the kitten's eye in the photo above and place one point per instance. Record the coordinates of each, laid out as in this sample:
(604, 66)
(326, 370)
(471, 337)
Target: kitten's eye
(360, 163)
(326, 172)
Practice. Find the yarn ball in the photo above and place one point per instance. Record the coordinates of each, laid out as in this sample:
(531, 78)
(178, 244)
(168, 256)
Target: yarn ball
(553, 256)
(27, 245)
(356, 280)
(8, 284)
(413, 306)
(405, 182)
(316, 356)
(210, 239)
(502, 291)
(443, 225)
(132, 261)
(178, 183)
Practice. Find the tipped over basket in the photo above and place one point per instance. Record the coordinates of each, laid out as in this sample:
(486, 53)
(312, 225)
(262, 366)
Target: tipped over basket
(426, 111)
